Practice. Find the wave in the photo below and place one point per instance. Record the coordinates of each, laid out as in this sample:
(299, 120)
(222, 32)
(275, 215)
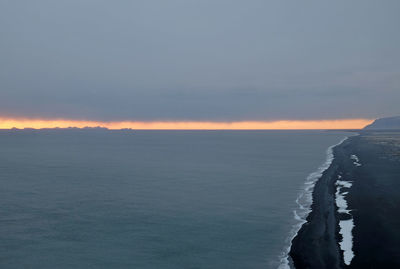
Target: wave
(304, 202)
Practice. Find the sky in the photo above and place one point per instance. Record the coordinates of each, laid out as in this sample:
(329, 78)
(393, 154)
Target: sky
(199, 61)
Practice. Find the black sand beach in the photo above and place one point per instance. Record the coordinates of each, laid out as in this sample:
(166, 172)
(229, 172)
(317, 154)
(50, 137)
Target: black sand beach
(373, 200)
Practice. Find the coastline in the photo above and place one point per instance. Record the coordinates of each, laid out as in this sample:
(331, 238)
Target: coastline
(354, 219)
(315, 245)
(305, 202)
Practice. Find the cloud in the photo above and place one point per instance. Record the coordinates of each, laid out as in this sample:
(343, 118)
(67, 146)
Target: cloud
(199, 60)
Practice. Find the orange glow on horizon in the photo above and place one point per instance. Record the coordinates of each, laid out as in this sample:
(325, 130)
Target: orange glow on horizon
(21, 123)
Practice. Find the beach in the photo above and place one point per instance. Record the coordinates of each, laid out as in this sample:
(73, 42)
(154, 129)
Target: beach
(354, 221)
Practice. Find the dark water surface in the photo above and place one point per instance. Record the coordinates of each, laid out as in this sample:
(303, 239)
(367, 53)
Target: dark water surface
(152, 199)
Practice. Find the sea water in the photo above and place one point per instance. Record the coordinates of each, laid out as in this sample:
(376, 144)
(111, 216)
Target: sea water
(153, 199)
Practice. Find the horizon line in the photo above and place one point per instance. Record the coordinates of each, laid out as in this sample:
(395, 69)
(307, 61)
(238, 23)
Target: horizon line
(328, 124)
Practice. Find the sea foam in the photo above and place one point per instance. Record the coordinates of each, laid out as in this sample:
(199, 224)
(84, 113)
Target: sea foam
(304, 202)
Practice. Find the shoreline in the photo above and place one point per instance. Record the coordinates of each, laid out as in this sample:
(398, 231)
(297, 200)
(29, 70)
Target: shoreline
(354, 219)
(316, 244)
(305, 202)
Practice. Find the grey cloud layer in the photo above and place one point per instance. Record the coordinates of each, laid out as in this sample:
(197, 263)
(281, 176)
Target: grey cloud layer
(199, 60)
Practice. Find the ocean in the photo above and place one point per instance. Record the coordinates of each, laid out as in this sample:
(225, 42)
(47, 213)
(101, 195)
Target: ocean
(155, 199)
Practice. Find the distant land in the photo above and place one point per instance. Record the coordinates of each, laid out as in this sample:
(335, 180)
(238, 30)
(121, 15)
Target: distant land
(390, 123)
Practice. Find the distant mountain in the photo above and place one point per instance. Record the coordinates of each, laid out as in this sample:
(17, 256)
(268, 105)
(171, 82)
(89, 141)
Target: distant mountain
(385, 124)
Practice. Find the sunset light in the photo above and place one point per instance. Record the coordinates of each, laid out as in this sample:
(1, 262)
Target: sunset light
(21, 123)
